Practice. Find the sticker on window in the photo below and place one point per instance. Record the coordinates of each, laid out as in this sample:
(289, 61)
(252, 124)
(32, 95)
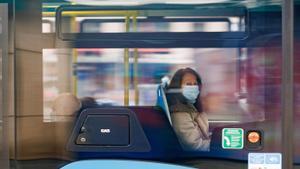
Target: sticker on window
(264, 160)
(233, 138)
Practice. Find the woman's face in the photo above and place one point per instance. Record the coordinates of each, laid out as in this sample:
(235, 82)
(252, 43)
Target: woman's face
(189, 79)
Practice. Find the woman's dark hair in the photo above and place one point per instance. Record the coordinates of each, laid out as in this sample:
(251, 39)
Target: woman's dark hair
(174, 98)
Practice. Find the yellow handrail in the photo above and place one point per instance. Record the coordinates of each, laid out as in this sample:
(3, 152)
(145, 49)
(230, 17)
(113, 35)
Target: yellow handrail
(92, 13)
(73, 27)
(126, 66)
(135, 66)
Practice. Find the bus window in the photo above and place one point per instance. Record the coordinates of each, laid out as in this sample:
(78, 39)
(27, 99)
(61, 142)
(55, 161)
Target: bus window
(233, 89)
(120, 55)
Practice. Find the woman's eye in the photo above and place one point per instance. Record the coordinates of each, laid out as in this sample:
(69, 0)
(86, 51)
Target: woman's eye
(190, 84)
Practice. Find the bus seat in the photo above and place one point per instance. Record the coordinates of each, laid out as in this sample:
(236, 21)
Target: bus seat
(162, 100)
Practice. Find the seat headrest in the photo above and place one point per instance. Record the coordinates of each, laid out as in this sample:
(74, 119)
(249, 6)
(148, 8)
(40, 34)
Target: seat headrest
(165, 81)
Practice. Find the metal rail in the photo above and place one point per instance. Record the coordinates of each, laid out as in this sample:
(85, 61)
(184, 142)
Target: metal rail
(287, 97)
(170, 10)
(126, 67)
(135, 66)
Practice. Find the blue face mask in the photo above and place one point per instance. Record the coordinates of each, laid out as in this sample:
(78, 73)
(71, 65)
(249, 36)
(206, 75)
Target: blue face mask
(190, 92)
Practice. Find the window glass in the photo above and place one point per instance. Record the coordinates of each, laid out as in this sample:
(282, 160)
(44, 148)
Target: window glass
(0, 25)
(296, 84)
(121, 60)
(101, 20)
(233, 79)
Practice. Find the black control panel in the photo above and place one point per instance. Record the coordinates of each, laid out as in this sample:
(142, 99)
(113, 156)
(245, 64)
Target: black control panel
(105, 130)
(108, 130)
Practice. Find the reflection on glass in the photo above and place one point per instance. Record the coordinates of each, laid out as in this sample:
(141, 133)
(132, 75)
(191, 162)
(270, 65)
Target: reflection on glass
(189, 119)
(1, 112)
(134, 2)
(152, 19)
(233, 82)
(0, 25)
(57, 77)
(160, 24)
(48, 24)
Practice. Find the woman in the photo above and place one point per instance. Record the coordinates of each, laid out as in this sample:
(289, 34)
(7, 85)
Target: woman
(189, 121)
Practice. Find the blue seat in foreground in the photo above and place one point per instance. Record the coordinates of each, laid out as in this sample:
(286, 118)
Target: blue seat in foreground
(121, 164)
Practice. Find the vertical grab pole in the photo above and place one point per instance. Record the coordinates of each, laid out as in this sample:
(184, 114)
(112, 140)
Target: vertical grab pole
(73, 27)
(126, 66)
(287, 97)
(135, 66)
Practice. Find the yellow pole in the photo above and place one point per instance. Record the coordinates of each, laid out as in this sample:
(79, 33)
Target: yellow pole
(126, 66)
(73, 28)
(135, 66)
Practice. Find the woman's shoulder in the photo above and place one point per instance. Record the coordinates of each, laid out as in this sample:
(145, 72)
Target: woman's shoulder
(180, 114)
(179, 107)
(188, 108)
(181, 117)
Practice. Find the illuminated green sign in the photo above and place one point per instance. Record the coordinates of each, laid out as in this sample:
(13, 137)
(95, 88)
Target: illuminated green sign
(233, 138)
